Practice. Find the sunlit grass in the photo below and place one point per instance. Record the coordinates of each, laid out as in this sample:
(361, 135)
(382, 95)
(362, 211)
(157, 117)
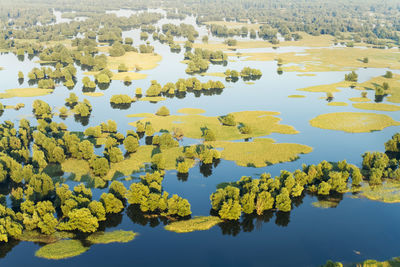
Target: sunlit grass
(330, 59)
(296, 96)
(339, 104)
(145, 61)
(36, 236)
(376, 106)
(359, 99)
(196, 224)
(261, 152)
(353, 122)
(388, 192)
(25, 92)
(326, 88)
(118, 236)
(94, 94)
(191, 111)
(261, 123)
(61, 250)
(152, 98)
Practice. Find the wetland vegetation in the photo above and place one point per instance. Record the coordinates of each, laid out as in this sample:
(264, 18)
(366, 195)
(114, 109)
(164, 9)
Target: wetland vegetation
(125, 124)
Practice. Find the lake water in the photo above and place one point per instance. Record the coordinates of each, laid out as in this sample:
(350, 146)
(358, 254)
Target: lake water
(307, 236)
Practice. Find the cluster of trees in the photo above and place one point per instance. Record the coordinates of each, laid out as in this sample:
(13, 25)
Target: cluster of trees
(182, 86)
(47, 77)
(223, 31)
(266, 193)
(351, 77)
(149, 196)
(246, 74)
(185, 30)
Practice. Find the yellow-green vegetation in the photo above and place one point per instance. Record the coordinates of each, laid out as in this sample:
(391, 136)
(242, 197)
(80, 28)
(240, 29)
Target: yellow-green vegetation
(134, 163)
(95, 94)
(388, 192)
(213, 74)
(327, 88)
(135, 61)
(25, 92)
(120, 76)
(191, 111)
(395, 262)
(306, 41)
(249, 83)
(261, 123)
(359, 99)
(76, 166)
(261, 152)
(296, 96)
(61, 250)
(119, 236)
(306, 74)
(200, 223)
(376, 106)
(36, 236)
(330, 59)
(326, 204)
(353, 122)
(234, 24)
(377, 82)
(339, 104)
(152, 98)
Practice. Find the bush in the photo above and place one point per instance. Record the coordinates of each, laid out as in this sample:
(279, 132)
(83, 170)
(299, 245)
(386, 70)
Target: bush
(163, 111)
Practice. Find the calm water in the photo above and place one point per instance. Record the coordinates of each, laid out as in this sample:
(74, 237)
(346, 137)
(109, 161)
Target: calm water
(307, 236)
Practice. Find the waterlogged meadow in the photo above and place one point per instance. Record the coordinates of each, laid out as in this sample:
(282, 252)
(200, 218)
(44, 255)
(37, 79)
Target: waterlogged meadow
(155, 136)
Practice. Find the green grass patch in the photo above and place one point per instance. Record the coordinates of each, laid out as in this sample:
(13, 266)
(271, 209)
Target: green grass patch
(214, 74)
(118, 236)
(359, 99)
(388, 192)
(62, 249)
(25, 92)
(353, 122)
(376, 106)
(94, 94)
(36, 236)
(196, 224)
(297, 96)
(191, 111)
(261, 152)
(327, 88)
(152, 98)
(261, 123)
(339, 104)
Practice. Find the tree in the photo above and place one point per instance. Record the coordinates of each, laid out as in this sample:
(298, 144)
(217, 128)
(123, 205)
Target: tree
(81, 220)
(230, 210)
(118, 190)
(111, 203)
(115, 155)
(131, 144)
(324, 188)
(163, 111)
(264, 202)
(228, 120)
(283, 202)
(388, 75)
(99, 166)
(209, 135)
(351, 77)
(183, 167)
(20, 75)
